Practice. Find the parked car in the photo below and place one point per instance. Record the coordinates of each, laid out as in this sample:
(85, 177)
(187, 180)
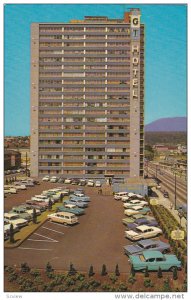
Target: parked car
(29, 210)
(27, 183)
(7, 227)
(142, 232)
(65, 218)
(82, 198)
(90, 183)
(9, 190)
(53, 179)
(126, 221)
(46, 178)
(82, 182)
(136, 210)
(166, 194)
(153, 260)
(61, 180)
(36, 182)
(77, 211)
(138, 202)
(68, 180)
(119, 195)
(129, 204)
(20, 186)
(14, 219)
(142, 221)
(40, 198)
(98, 183)
(32, 206)
(80, 204)
(148, 244)
(22, 213)
(75, 181)
(42, 204)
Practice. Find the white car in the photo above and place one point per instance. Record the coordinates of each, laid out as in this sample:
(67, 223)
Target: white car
(10, 189)
(142, 232)
(68, 181)
(40, 198)
(46, 178)
(119, 195)
(130, 204)
(136, 202)
(98, 184)
(90, 183)
(133, 210)
(7, 227)
(20, 186)
(125, 198)
(53, 179)
(14, 219)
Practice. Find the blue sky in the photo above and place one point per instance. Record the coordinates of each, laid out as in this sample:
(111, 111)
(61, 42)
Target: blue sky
(165, 57)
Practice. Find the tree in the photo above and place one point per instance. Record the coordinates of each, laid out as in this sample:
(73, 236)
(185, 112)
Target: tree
(72, 270)
(175, 274)
(49, 268)
(159, 274)
(50, 204)
(11, 234)
(91, 271)
(146, 272)
(103, 271)
(34, 216)
(132, 271)
(117, 273)
(25, 268)
(61, 197)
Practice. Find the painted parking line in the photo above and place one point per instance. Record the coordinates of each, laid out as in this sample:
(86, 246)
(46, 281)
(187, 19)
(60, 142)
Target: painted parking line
(53, 230)
(42, 241)
(46, 237)
(34, 249)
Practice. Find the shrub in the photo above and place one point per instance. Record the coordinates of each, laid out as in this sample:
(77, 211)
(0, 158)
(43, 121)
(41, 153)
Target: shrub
(9, 269)
(70, 281)
(25, 268)
(91, 271)
(148, 283)
(12, 277)
(122, 287)
(166, 286)
(35, 273)
(103, 271)
(80, 277)
(94, 283)
(106, 287)
(113, 278)
(131, 279)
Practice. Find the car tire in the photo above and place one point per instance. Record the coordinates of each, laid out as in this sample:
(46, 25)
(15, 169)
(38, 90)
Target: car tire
(65, 223)
(172, 269)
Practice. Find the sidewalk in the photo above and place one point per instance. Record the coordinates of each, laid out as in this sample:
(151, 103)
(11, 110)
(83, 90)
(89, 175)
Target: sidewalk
(168, 204)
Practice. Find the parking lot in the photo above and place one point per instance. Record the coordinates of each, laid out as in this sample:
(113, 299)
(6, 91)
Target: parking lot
(98, 238)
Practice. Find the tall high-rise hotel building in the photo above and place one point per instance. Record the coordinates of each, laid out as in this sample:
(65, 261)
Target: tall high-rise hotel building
(87, 97)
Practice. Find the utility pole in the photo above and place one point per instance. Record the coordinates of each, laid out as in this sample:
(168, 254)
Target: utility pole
(26, 164)
(175, 190)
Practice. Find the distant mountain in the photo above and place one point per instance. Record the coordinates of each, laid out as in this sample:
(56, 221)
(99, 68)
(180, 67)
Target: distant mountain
(168, 124)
